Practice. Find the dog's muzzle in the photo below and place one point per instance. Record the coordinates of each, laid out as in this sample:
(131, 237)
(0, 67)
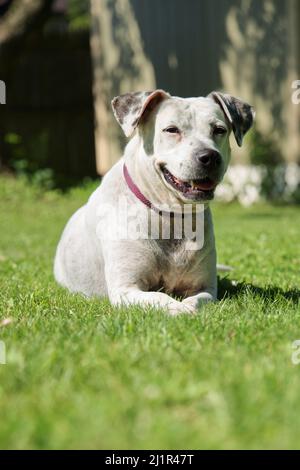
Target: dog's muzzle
(207, 174)
(200, 189)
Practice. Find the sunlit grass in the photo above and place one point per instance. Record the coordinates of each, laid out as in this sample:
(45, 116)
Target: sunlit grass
(81, 374)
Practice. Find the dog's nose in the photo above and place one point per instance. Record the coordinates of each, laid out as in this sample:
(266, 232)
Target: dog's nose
(209, 158)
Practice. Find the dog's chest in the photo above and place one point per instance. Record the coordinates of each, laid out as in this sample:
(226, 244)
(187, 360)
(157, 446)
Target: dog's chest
(179, 268)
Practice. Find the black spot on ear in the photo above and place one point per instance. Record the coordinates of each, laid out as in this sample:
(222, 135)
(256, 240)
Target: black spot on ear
(239, 114)
(136, 109)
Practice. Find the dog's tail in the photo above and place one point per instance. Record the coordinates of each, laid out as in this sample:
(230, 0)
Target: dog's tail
(223, 268)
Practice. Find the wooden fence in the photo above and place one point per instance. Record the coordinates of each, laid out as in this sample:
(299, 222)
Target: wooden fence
(250, 48)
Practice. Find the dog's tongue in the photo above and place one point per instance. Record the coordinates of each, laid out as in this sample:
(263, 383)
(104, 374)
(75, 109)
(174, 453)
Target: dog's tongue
(205, 185)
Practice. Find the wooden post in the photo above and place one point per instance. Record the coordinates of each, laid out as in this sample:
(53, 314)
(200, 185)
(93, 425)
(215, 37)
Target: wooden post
(292, 109)
(119, 66)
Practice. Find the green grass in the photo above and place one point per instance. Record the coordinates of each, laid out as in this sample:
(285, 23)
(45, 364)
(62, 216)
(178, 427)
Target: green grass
(81, 374)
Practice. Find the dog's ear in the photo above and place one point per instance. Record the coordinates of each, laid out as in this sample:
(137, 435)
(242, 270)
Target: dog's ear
(239, 114)
(131, 107)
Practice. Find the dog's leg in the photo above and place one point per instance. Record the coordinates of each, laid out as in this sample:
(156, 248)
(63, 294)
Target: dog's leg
(128, 268)
(155, 299)
(210, 287)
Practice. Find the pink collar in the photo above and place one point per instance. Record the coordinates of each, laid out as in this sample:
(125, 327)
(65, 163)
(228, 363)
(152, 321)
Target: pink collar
(135, 190)
(141, 197)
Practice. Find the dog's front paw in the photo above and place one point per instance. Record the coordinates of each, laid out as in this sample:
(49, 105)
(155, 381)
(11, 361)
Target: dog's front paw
(196, 302)
(178, 308)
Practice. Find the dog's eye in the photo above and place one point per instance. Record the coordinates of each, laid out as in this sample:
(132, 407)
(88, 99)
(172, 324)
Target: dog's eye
(172, 130)
(219, 130)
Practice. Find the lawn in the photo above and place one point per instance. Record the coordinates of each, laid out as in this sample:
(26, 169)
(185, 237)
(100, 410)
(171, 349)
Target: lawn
(81, 374)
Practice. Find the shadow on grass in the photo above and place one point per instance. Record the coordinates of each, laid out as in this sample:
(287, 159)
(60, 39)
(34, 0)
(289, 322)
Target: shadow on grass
(226, 289)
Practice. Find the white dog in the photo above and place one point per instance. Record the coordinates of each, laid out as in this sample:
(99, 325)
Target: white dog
(175, 160)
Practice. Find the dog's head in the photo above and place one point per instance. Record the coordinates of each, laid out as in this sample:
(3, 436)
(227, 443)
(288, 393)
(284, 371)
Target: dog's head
(186, 139)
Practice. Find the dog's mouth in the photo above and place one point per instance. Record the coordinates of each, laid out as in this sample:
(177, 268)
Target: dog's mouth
(193, 189)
